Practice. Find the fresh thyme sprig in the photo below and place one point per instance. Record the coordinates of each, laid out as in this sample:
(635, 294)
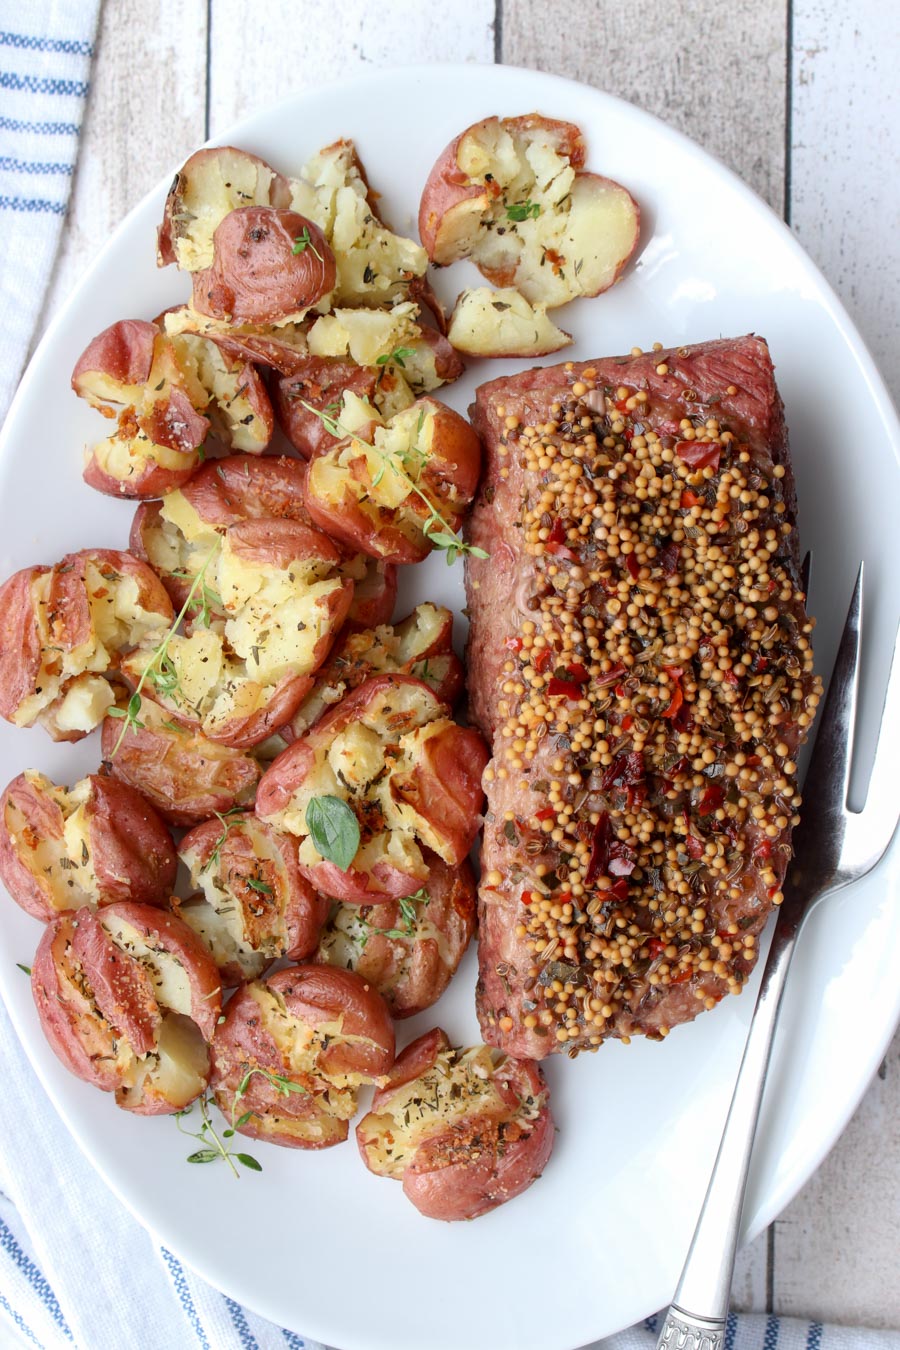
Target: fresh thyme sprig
(398, 357)
(159, 670)
(436, 529)
(523, 210)
(213, 1146)
(227, 827)
(209, 599)
(409, 917)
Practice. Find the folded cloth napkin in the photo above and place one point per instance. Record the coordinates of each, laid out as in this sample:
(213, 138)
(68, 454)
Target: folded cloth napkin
(76, 1270)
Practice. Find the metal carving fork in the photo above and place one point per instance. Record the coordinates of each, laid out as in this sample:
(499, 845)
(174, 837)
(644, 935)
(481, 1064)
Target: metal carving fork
(833, 846)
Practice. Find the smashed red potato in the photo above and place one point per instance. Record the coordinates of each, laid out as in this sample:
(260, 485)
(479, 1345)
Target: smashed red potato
(172, 392)
(275, 604)
(128, 998)
(93, 844)
(208, 185)
(464, 1130)
(63, 629)
(182, 773)
(269, 266)
(512, 195)
(407, 948)
(292, 1052)
(410, 775)
(485, 322)
(420, 645)
(255, 906)
(388, 495)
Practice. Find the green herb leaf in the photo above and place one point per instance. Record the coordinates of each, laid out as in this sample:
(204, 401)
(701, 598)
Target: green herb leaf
(333, 829)
(247, 1160)
(523, 210)
(26, 969)
(398, 357)
(256, 885)
(203, 1155)
(304, 242)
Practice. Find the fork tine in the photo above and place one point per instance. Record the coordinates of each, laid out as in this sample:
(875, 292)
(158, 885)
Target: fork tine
(870, 831)
(828, 775)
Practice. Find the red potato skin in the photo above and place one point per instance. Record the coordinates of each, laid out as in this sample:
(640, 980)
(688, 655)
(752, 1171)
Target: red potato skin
(294, 902)
(256, 277)
(411, 973)
(132, 852)
(279, 195)
(20, 644)
(154, 480)
(76, 1036)
(453, 468)
(447, 185)
(319, 381)
(278, 543)
(186, 777)
(447, 1178)
(124, 352)
(375, 597)
(69, 587)
(240, 488)
(122, 992)
(448, 363)
(313, 995)
(445, 787)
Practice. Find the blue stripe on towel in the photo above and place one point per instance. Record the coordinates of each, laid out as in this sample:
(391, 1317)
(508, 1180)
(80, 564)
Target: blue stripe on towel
(814, 1336)
(70, 46)
(10, 165)
(22, 1325)
(236, 1312)
(31, 204)
(34, 1276)
(293, 1340)
(184, 1294)
(770, 1336)
(42, 85)
(42, 128)
(730, 1331)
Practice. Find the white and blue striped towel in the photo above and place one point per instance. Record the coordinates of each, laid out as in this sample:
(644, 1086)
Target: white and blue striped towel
(65, 1240)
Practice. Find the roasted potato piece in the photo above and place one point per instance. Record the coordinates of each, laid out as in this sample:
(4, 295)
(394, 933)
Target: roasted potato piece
(389, 495)
(207, 187)
(511, 194)
(62, 630)
(242, 676)
(293, 1051)
(282, 348)
(186, 776)
(255, 905)
(374, 590)
(420, 645)
(269, 267)
(407, 948)
(374, 266)
(464, 1130)
(229, 391)
(319, 384)
(408, 774)
(502, 323)
(410, 359)
(93, 844)
(128, 998)
(157, 441)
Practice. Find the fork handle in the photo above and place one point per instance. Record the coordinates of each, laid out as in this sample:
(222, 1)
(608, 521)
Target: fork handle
(696, 1318)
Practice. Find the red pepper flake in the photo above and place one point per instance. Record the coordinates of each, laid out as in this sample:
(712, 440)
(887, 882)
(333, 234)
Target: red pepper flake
(610, 677)
(599, 858)
(656, 947)
(731, 678)
(514, 644)
(699, 454)
(578, 672)
(545, 813)
(625, 771)
(692, 843)
(542, 659)
(681, 977)
(677, 697)
(618, 890)
(627, 722)
(556, 541)
(527, 897)
(560, 551)
(621, 405)
(563, 688)
(711, 800)
(633, 566)
(689, 498)
(667, 559)
(763, 849)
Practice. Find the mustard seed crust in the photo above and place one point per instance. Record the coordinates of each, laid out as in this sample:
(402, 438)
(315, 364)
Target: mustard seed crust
(640, 658)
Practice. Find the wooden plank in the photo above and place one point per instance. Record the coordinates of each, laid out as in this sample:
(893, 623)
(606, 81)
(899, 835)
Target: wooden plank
(751, 1272)
(716, 72)
(300, 46)
(145, 111)
(836, 1245)
(845, 146)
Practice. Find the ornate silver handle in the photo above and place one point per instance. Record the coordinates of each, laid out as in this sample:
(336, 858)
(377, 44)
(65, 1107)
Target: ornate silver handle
(683, 1332)
(696, 1319)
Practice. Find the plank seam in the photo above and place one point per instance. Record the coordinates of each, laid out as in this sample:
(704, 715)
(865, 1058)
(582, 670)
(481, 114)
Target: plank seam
(788, 108)
(206, 109)
(498, 32)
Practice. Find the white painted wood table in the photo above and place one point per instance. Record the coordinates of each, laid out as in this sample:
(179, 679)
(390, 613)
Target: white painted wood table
(798, 96)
